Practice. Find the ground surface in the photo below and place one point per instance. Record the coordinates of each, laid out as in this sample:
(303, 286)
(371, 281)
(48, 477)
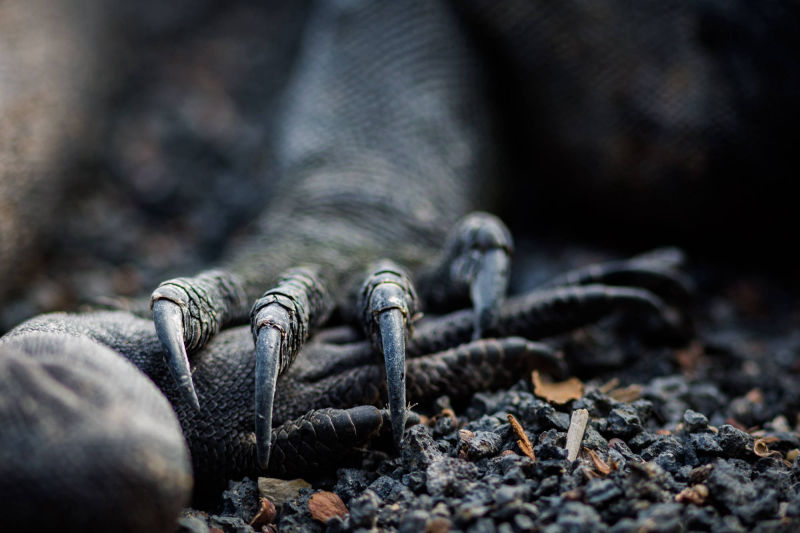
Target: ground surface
(699, 438)
(675, 429)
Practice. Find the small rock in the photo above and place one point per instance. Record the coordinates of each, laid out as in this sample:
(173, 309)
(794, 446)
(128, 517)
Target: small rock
(508, 494)
(660, 518)
(229, 524)
(601, 491)
(437, 525)
(576, 516)
(623, 422)
(705, 443)
(241, 500)
(364, 510)
(419, 449)
(192, 524)
(415, 481)
(388, 489)
(694, 421)
(734, 442)
(523, 523)
(448, 476)
(351, 482)
(413, 522)
(279, 491)
(481, 444)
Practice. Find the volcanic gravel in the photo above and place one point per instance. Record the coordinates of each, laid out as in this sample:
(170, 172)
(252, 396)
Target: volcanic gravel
(711, 445)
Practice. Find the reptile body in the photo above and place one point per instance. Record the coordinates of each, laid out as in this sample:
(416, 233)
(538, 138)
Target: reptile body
(383, 147)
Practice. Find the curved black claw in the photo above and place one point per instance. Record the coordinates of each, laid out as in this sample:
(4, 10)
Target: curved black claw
(488, 288)
(388, 304)
(187, 312)
(281, 321)
(476, 260)
(168, 320)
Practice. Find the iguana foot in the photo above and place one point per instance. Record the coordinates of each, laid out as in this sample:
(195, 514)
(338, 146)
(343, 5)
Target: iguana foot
(474, 266)
(318, 400)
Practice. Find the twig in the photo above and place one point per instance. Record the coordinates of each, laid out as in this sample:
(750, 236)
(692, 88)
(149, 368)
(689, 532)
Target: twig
(577, 425)
(600, 465)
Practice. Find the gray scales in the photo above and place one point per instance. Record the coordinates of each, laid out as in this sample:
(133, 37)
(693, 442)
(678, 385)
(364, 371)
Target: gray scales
(364, 116)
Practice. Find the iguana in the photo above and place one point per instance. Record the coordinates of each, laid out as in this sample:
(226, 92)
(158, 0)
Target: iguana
(384, 148)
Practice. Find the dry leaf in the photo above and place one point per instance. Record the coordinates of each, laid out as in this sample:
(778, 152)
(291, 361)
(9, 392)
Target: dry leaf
(465, 435)
(599, 465)
(791, 455)
(449, 413)
(628, 394)
(735, 423)
(560, 392)
(325, 505)
(761, 447)
(265, 515)
(689, 357)
(612, 384)
(696, 494)
(755, 396)
(523, 442)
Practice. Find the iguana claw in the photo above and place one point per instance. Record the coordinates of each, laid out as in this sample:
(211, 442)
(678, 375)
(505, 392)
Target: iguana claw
(168, 319)
(388, 306)
(281, 321)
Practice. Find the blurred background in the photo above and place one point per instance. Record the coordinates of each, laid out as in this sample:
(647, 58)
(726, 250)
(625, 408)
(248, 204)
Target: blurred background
(135, 138)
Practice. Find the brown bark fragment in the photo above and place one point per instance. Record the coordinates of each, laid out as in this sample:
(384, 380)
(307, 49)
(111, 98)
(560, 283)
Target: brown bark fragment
(599, 464)
(325, 505)
(265, 515)
(523, 442)
(696, 495)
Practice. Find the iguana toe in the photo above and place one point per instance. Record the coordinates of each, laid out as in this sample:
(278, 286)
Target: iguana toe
(187, 312)
(281, 321)
(388, 304)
